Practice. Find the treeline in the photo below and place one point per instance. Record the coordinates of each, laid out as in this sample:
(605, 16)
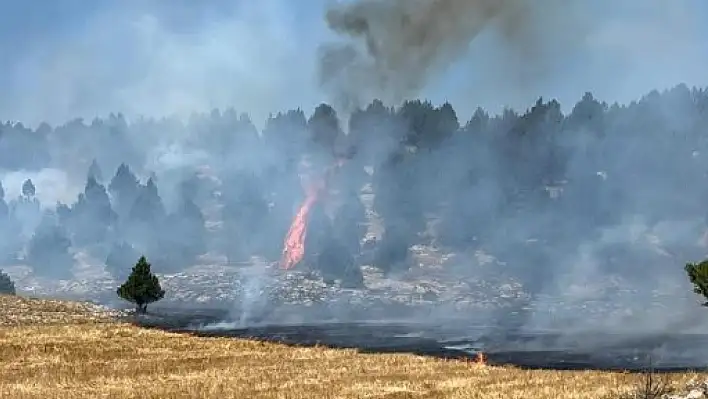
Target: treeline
(118, 220)
(495, 182)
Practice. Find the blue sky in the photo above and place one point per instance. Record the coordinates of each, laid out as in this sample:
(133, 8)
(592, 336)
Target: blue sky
(68, 58)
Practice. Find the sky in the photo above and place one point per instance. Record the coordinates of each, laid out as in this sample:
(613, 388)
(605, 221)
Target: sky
(71, 58)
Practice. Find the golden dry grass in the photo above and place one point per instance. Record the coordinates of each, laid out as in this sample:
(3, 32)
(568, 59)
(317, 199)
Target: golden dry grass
(114, 360)
(19, 311)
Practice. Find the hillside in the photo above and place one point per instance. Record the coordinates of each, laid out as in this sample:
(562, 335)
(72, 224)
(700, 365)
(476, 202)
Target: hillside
(72, 350)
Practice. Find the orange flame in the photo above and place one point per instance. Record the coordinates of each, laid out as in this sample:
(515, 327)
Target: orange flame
(294, 245)
(294, 249)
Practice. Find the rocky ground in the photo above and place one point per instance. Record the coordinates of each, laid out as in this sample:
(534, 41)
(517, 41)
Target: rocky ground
(435, 288)
(215, 281)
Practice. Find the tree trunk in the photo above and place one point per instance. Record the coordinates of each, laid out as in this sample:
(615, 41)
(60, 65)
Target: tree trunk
(141, 308)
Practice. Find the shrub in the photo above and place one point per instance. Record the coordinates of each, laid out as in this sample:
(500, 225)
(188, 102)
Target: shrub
(7, 286)
(48, 250)
(698, 275)
(142, 287)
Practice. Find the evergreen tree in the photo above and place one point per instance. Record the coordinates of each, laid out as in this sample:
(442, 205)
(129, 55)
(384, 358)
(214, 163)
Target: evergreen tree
(398, 203)
(182, 240)
(324, 132)
(142, 287)
(190, 187)
(48, 250)
(698, 276)
(94, 171)
(350, 221)
(25, 212)
(148, 205)
(375, 132)
(63, 212)
(92, 216)
(146, 221)
(28, 189)
(245, 211)
(4, 208)
(284, 136)
(5, 228)
(13, 234)
(7, 286)
(124, 187)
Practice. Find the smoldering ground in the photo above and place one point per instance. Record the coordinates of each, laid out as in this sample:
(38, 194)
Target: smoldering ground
(397, 51)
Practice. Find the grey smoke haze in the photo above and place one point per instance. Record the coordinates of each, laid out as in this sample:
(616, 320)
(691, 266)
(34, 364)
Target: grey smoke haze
(53, 185)
(156, 58)
(474, 53)
(153, 58)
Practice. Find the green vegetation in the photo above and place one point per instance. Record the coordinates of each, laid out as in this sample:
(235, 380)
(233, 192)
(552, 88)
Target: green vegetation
(698, 274)
(7, 286)
(142, 287)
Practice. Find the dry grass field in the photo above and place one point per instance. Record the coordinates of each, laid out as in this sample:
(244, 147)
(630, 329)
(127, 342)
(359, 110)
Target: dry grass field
(51, 349)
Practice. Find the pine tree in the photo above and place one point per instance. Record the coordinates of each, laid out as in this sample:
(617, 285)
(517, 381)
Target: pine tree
(124, 188)
(698, 275)
(181, 241)
(324, 130)
(48, 250)
(28, 189)
(7, 286)
(148, 205)
(4, 208)
(245, 210)
(142, 287)
(5, 229)
(146, 221)
(94, 171)
(92, 215)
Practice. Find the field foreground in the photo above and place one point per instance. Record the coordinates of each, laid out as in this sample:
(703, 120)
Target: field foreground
(84, 355)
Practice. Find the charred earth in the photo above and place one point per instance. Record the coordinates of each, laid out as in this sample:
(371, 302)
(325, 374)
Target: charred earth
(501, 345)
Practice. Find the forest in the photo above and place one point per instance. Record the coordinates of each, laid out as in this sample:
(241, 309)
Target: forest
(534, 187)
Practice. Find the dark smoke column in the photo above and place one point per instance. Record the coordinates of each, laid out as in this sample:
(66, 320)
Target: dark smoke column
(391, 48)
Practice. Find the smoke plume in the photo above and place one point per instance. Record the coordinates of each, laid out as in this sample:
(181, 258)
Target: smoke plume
(393, 48)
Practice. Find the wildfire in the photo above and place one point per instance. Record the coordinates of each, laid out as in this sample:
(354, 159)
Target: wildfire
(481, 358)
(294, 245)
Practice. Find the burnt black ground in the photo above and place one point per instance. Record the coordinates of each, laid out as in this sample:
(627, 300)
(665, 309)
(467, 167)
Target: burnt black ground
(529, 349)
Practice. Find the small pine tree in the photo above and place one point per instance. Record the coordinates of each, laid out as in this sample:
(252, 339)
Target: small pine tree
(94, 171)
(142, 287)
(48, 251)
(7, 286)
(28, 189)
(698, 275)
(124, 188)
